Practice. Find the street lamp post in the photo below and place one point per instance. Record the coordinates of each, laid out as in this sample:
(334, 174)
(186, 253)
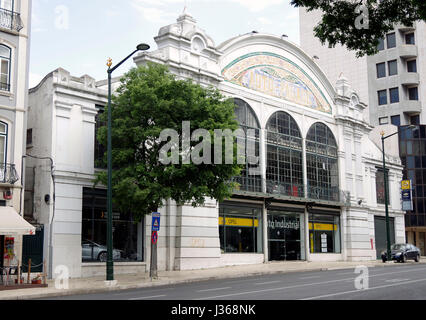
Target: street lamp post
(110, 263)
(388, 247)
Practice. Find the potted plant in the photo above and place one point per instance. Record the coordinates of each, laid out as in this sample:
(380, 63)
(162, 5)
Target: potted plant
(22, 281)
(36, 280)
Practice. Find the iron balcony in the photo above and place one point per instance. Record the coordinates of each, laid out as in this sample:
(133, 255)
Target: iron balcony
(8, 174)
(10, 20)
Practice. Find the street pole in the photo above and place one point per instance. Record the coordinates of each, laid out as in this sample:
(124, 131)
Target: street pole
(110, 261)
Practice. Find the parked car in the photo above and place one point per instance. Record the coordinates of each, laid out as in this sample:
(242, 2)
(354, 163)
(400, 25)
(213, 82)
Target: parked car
(403, 252)
(94, 251)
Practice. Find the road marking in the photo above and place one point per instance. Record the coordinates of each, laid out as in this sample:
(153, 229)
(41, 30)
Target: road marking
(299, 286)
(369, 289)
(151, 297)
(312, 277)
(215, 289)
(268, 282)
(397, 280)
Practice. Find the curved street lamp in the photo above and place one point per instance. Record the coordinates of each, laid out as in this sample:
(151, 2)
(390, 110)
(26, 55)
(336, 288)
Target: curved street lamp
(110, 263)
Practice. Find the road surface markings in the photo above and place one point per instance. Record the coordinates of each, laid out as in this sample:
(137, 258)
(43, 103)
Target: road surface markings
(359, 291)
(151, 297)
(312, 277)
(268, 282)
(299, 286)
(397, 280)
(215, 289)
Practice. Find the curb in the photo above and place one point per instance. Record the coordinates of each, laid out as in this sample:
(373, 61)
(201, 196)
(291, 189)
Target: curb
(159, 283)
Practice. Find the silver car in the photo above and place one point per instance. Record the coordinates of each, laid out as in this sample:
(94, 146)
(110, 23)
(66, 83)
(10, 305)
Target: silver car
(93, 251)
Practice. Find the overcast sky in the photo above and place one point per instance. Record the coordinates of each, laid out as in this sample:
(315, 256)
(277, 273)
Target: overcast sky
(79, 35)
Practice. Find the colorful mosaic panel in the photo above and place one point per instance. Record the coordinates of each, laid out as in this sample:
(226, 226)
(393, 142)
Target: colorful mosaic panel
(277, 76)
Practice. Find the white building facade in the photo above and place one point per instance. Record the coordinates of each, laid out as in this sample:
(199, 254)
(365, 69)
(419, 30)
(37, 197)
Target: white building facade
(316, 191)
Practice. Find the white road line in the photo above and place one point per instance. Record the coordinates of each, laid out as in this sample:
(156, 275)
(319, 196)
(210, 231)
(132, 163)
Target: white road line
(151, 297)
(268, 282)
(354, 291)
(312, 277)
(300, 285)
(397, 280)
(215, 289)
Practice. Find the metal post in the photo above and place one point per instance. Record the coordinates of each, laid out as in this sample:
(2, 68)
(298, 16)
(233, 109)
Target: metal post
(389, 255)
(110, 263)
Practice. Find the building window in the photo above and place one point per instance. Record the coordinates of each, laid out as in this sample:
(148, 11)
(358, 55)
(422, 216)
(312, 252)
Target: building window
(3, 143)
(383, 120)
(29, 137)
(240, 229)
(324, 233)
(321, 162)
(409, 38)
(412, 66)
(391, 40)
(383, 99)
(394, 95)
(381, 45)
(396, 120)
(248, 179)
(127, 235)
(381, 70)
(413, 93)
(5, 58)
(6, 4)
(380, 187)
(99, 148)
(415, 120)
(393, 67)
(284, 172)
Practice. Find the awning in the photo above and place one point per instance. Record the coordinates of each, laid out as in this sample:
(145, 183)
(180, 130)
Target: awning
(11, 223)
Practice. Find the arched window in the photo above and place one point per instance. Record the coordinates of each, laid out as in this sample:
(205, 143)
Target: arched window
(321, 161)
(250, 178)
(5, 58)
(284, 172)
(3, 144)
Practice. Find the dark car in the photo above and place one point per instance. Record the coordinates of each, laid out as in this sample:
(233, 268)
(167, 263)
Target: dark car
(402, 253)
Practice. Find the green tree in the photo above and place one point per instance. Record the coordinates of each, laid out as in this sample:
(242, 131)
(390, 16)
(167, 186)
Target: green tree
(149, 100)
(339, 18)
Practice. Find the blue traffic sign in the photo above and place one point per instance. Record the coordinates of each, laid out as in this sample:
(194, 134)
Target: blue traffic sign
(156, 221)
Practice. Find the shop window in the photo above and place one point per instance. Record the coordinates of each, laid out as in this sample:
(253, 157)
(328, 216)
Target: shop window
(324, 233)
(127, 235)
(322, 164)
(380, 187)
(383, 99)
(240, 229)
(381, 70)
(284, 172)
(393, 67)
(250, 177)
(391, 40)
(394, 95)
(5, 60)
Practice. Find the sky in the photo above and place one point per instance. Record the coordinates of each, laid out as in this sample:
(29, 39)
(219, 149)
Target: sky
(80, 35)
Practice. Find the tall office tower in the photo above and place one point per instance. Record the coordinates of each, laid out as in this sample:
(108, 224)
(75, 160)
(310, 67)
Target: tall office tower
(391, 83)
(388, 81)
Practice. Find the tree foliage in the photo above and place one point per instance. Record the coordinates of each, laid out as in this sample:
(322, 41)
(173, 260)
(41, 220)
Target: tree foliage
(149, 100)
(339, 18)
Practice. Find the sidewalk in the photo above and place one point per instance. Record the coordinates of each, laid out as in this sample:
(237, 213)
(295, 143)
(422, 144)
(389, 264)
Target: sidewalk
(124, 282)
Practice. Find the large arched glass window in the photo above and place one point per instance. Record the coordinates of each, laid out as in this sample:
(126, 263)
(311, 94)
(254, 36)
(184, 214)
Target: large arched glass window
(250, 178)
(321, 161)
(5, 58)
(284, 172)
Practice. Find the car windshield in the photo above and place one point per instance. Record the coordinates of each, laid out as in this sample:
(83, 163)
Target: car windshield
(398, 247)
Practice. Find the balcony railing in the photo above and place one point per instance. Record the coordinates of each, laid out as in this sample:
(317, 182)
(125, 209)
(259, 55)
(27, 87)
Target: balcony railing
(10, 20)
(8, 174)
(276, 188)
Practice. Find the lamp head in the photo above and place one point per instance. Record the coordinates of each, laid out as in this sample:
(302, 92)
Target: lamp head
(143, 47)
(382, 133)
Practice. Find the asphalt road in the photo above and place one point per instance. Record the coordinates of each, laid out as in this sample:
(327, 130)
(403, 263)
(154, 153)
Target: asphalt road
(396, 282)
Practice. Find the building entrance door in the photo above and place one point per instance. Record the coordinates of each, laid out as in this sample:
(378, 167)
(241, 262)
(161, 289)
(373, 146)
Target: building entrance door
(284, 236)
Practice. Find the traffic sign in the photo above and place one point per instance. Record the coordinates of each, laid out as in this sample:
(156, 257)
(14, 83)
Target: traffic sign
(154, 237)
(156, 221)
